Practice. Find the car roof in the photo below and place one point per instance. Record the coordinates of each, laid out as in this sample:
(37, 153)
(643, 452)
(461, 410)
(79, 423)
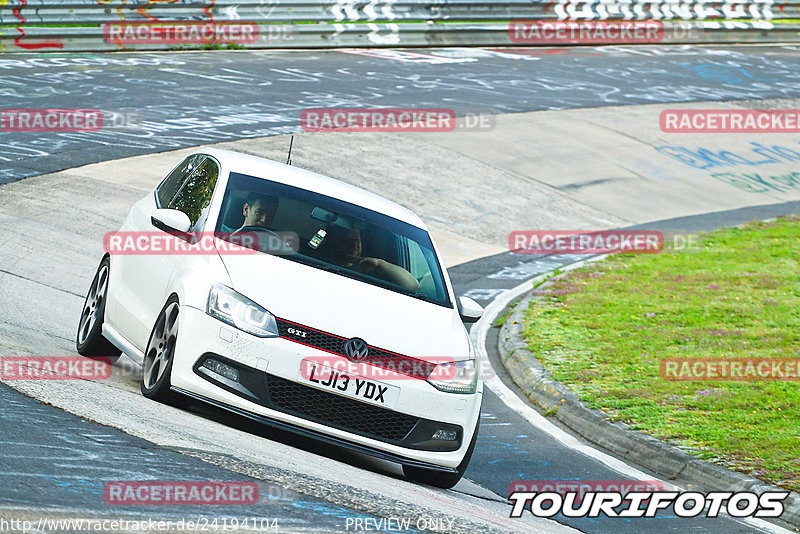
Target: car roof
(288, 174)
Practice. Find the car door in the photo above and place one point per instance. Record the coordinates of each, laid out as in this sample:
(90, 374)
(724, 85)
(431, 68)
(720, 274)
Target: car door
(188, 188)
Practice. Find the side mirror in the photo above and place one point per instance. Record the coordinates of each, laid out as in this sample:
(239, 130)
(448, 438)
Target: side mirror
(469, 310)
(171, 221)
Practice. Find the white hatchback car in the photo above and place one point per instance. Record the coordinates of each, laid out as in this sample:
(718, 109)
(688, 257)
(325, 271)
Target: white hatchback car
(348, 332)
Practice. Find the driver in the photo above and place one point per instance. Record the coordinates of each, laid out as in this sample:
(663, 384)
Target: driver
(345, 250)
(259, 210)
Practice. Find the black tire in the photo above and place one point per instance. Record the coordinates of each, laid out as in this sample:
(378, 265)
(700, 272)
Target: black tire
(158, 358)
(89, 340)
(437, 478)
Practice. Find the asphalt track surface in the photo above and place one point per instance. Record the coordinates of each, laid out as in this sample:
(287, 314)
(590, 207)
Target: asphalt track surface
(53, 461)
(182, 99)
(189, 99)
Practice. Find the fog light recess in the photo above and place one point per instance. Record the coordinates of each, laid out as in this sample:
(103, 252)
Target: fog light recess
(445, 435)
(221, 369)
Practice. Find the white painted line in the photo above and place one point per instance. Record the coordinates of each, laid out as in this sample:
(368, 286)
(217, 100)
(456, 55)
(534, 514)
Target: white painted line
(521, 406)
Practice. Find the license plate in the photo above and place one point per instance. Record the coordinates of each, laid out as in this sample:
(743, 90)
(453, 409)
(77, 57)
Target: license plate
(322, 376)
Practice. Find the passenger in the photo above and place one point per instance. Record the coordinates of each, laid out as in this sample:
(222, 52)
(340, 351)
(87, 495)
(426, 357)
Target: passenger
(345, 250)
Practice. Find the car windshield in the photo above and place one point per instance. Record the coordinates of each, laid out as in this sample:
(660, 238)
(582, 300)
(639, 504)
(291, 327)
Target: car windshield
(333, 235)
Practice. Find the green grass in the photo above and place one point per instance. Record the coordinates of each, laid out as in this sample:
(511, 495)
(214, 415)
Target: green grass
(602, 330)
(501, 320)
(550, 412)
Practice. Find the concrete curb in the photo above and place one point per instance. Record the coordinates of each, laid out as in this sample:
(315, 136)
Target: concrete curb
(658, 457)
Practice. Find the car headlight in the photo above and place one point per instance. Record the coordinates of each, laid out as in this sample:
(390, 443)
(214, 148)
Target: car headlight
(237, 310)
(455, 377)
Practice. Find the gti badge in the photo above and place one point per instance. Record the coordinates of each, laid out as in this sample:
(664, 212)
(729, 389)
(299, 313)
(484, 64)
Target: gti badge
(296, 332)
(356, 349)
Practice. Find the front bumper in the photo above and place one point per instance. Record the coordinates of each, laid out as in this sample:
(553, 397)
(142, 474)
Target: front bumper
(265, 362)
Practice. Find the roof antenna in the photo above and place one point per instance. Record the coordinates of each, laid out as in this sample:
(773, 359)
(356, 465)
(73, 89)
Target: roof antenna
(289, 157)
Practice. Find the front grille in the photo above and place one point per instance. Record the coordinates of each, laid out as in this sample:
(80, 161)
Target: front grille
(330, 409)
(337, 411)
(335, 344)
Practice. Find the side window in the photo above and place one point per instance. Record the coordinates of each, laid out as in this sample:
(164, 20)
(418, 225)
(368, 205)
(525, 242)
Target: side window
(195, 195)
(418, 265)
(169, 186)
(420, 261)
